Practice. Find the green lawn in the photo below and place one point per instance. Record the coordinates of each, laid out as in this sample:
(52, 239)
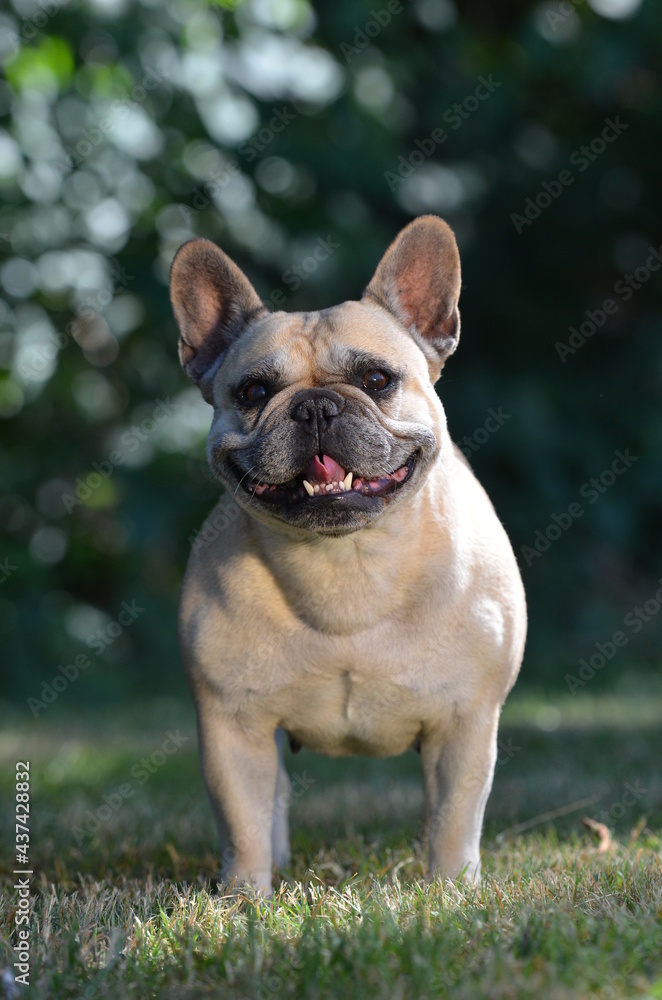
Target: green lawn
(125, 901)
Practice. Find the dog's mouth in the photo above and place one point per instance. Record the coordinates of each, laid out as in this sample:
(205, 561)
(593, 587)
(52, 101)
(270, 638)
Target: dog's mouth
(324, 477)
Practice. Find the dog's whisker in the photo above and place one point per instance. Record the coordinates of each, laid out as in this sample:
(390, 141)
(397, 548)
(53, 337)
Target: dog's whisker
(240, 481)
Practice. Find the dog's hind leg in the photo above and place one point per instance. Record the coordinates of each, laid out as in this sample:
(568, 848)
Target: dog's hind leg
(280, 830)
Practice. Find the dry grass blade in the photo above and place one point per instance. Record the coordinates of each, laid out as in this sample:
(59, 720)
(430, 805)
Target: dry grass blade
(546, 817)
(605, 842)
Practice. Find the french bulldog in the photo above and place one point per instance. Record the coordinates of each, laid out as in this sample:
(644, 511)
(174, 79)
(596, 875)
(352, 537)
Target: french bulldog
(364, 597)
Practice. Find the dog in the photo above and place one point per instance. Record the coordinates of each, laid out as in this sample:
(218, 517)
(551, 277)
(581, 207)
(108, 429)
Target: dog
(364, 598)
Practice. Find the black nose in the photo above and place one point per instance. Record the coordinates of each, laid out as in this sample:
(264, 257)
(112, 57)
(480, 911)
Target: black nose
(316, 408)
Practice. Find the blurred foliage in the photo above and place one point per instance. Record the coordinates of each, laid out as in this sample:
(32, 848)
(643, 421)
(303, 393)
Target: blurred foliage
(268, 126)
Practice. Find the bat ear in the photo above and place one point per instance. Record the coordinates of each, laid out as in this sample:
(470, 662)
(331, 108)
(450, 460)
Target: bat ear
(212, 300)
(418, 280)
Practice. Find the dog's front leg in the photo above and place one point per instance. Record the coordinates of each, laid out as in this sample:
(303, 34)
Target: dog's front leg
(240, 768)
(458, 777)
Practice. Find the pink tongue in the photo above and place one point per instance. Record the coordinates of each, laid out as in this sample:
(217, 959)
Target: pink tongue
(324, 471)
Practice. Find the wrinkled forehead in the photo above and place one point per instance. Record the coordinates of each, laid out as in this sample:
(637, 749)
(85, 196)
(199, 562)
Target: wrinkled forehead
(329, 342)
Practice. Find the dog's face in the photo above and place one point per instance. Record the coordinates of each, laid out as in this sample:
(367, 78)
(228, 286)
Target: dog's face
(322, 419)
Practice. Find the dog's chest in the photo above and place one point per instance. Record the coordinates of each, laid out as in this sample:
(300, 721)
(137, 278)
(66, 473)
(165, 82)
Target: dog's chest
(368, 684)
(346, 712)
(366, 695)
(350, 650)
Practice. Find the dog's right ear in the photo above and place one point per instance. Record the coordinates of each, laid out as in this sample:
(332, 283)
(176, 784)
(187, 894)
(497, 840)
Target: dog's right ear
(212, 300)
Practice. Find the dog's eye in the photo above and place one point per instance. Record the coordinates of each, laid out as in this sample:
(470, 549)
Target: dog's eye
(254, 392)
(375, 381)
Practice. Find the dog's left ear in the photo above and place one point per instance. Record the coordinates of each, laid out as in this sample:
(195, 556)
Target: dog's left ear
(418, 281)
(212, 300)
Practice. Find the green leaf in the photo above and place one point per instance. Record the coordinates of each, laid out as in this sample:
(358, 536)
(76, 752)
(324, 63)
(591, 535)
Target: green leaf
(47, 66)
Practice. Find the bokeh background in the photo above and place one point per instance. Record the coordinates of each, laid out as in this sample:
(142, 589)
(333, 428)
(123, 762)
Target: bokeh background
(279, 128)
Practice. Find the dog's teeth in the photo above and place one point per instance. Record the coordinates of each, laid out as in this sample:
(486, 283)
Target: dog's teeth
(348, 480)
(317, 489)
(330, 487)
(308, 488)
(342, 486)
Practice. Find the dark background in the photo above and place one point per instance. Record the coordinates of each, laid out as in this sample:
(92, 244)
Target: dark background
(128, 128)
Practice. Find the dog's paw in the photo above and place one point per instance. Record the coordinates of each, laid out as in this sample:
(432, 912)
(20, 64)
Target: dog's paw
(244, 888)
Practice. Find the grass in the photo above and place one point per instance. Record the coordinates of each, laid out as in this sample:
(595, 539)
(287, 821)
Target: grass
(130, 909)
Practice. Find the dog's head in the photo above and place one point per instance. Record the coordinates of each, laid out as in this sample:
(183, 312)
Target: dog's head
(322, 420)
